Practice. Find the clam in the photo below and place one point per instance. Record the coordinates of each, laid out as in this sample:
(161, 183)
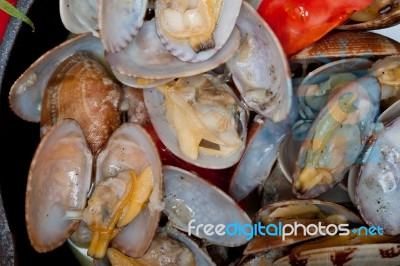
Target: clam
(81, 89)
(119, 22)
(191, 202)
(377, 185)
(195, 30)
(305, 212)
(369, 254)
(58, 182)
(26, 94)
(347, 44)
(346, 121)
(321, 83)
(80, 16)
(259, 157)
(379, 14)
(163, 249)
(146, 57)
(130, 148)
(199, 120)
(259, 68)
(387, 71)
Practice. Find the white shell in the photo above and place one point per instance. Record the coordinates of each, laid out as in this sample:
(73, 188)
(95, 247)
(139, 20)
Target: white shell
(58, 182)
(146, 57)
(260, 69)
(257, 161)
(189, 197)
(80, 16)
(226, 23)
(154, 101)
(119, 22)
(378, 184)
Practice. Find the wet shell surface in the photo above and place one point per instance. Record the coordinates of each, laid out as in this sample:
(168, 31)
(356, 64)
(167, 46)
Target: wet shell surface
(119, 22)
(130, 147)
(348, 117)
(80, 16)
(377, 191)
(153, 61)
(26, 94)
(259, 68)
(156, 105)
(188, 18)
(58, 182)
(258, 159)
(189, 200)
(81, 89)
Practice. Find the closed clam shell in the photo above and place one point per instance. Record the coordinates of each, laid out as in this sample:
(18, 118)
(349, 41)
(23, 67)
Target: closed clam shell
(357, 255)
(58, 182)
(130, 147)
(81, 89)
(344, 44)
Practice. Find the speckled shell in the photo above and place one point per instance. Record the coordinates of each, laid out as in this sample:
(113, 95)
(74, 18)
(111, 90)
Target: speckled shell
(356, 255)
(345, 44)
(81, 89)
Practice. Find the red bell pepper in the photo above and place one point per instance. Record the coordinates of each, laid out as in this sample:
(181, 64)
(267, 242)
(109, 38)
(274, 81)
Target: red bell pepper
(4, 19)
(298, 23)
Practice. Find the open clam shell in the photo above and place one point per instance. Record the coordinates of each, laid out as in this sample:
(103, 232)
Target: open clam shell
(181, 48)
(321, 83)
(379, 14)
(156, 107)
(146, 57)
(318, 156)
(260, 69)
(377, 191)
(58, 182)
(259, 157)
(262, 243)
(26, 94)
(130, 147)
(191, 201)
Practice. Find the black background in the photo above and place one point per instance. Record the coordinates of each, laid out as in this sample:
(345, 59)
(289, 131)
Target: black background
(19, 138)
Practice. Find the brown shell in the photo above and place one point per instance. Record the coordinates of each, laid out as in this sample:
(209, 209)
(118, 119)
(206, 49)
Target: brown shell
(346, 44)
(81, 89)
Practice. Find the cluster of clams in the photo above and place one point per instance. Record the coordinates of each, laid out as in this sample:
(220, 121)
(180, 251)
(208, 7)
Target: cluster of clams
(310, 139)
